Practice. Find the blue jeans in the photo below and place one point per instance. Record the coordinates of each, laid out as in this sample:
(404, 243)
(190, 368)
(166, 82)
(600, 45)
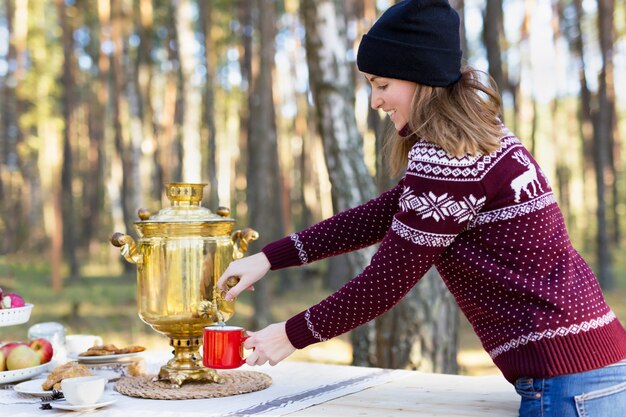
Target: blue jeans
(597, 393)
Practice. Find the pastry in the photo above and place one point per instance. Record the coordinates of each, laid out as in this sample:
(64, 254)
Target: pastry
(68, 370)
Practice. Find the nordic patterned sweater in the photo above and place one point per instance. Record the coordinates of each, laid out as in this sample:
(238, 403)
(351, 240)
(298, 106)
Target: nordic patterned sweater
(492, 227)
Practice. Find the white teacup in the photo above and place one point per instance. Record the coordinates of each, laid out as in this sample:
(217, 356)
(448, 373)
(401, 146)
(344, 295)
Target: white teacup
(83, 389)
(78, 343)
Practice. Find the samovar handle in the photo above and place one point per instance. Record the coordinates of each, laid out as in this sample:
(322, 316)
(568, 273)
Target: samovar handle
(128, 247)
(241, 239)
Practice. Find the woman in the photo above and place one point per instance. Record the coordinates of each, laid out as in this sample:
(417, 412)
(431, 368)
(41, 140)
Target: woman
(474, 203)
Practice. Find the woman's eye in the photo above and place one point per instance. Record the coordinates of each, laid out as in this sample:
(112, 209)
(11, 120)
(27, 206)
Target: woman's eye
(382, 87)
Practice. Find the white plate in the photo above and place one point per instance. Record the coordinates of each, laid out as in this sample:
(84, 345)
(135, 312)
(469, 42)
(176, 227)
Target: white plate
(22, 374)
(107, 374)
(64, 405)
(32, 387)
(102, 359)
(13, 316)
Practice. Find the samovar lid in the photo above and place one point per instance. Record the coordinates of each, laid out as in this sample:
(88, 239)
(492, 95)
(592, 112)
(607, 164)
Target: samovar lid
(186, 199)
(185, 216)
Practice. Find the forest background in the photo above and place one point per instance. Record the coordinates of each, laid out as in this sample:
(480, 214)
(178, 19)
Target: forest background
(102, 102)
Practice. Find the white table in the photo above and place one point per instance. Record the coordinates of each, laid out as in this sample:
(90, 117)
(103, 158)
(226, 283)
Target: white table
(304, 389)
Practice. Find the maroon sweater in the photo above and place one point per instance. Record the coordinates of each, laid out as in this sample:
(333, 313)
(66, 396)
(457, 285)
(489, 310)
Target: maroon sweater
(492, 227)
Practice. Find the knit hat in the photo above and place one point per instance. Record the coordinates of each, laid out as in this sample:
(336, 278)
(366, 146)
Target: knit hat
(414, 40)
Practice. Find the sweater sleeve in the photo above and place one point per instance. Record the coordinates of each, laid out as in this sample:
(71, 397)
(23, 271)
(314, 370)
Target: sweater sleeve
(427, 223)
(347, 231)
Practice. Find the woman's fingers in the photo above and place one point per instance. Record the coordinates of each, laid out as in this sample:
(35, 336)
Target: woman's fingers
(235, 291)
(249, 270)
(270, 344)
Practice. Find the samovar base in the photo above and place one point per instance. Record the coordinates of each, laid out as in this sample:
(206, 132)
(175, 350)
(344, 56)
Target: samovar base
(186, 365)
(177, 377)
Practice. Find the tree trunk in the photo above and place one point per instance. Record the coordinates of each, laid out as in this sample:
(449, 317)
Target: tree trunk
(246, 32)
(585, 124)
(192, 99)
(263, 176)
(421, 333)
(459, 6)
(330, 77)
(206, 20)
(9, 132)
(331, 85)
(120, 165)
(70, 234)
(603, 131)
(93, 187)
(492, 37)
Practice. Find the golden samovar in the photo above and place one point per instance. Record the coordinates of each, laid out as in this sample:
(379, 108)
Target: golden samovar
(180, 254)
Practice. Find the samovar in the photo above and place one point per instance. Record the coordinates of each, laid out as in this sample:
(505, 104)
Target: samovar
(180, 254)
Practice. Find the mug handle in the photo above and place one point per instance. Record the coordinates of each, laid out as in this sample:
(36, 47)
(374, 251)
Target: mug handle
(241, 340)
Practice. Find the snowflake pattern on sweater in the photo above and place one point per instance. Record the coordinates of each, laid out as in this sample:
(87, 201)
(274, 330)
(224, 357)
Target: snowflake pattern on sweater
(492, 227)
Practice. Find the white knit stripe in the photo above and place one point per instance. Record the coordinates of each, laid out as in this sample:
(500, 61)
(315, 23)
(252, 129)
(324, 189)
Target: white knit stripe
(297, 243)
(419, 237)
(429, 161)
(511, 212)
(585, 326)
(317, 335)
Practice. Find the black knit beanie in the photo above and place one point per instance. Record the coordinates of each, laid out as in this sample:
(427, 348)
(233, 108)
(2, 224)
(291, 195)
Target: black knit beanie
(414, 40)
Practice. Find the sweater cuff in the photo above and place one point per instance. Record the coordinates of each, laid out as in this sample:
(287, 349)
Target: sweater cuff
(281, 253)
(298, 331)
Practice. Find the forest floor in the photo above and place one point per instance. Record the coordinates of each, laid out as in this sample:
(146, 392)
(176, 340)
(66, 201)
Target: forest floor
(105, 305)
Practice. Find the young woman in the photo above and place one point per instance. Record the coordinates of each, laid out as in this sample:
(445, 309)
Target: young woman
(474, 203)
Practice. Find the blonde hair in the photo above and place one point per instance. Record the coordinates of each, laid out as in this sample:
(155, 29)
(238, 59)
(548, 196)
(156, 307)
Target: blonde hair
(462, 119)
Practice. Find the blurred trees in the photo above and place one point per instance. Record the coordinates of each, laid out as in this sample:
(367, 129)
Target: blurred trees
(102, 102)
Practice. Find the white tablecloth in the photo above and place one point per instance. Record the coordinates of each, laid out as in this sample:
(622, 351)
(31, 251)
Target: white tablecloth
(295, 386)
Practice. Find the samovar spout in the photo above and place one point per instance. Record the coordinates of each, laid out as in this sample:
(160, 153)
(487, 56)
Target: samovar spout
(128, 247)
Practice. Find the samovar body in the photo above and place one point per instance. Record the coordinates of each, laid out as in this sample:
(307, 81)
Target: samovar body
(180, 254)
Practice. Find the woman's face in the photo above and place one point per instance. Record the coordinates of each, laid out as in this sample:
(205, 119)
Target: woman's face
(393, 96)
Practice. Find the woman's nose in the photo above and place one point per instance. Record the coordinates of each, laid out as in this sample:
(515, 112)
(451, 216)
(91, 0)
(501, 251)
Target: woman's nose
(375, 102)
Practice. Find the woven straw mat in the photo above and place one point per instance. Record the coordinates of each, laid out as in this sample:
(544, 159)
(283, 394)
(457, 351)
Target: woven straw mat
(235, 382)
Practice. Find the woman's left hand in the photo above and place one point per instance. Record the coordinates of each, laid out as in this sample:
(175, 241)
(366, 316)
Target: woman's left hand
(270, 344)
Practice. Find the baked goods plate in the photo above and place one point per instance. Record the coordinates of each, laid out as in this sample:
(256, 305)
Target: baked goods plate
(103, 358)
(22, 374)
(33, 386)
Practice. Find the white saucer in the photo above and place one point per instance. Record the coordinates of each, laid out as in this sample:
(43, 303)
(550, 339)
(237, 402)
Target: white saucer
(102, 359)
(32, 387)
(64, 405)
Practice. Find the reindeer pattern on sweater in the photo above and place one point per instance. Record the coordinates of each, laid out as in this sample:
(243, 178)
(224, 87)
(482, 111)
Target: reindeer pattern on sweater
(492, 227)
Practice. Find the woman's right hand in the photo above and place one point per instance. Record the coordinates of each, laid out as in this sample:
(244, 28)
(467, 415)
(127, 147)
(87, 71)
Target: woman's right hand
(249, 270)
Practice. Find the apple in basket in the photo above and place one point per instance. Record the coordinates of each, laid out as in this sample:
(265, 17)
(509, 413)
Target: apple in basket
(12, 300)
(6, 349)
(43, 349)
(22, 357)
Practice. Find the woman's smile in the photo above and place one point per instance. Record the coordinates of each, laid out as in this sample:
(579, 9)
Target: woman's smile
(394, 97)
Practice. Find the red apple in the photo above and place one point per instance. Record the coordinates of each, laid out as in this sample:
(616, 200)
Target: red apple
(22, 357)
(12, 300)
(4, 353)
(6, 349)
(43, 349)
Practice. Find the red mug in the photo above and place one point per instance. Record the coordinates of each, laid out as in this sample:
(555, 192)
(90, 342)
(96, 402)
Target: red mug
(223, 347)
